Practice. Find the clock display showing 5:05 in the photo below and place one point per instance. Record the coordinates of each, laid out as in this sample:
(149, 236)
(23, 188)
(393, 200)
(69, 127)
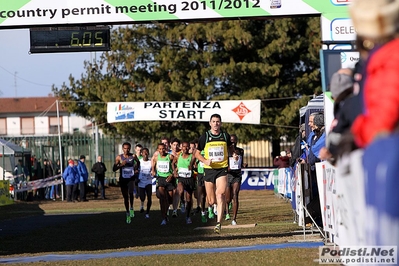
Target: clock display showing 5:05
(69, 39)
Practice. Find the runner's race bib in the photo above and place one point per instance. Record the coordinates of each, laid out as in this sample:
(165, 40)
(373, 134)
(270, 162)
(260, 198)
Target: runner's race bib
(216, 154)
(127, 172)
(163, 166)
(146, 175)
(235, 164)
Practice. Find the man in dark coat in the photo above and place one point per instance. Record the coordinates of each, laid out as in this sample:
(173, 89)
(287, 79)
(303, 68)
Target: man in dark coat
(99, 169)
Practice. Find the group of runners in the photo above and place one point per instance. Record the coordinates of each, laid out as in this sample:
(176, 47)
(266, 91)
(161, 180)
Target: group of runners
(209, 169)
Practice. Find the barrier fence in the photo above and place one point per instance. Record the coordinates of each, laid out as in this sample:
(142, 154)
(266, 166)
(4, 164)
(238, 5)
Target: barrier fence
(257, 154)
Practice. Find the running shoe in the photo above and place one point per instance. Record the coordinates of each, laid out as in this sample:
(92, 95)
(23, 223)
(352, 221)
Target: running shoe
(174, 213)
(211, 215)
(141, 210)
(218, 228)
(128, 219)
(131, 213)
(164, 222)
(203, 218)
(227, 217)
(147, 216)
(230, 205)
(233, 222)
(188, 220)
(182, 207)
(198, 210)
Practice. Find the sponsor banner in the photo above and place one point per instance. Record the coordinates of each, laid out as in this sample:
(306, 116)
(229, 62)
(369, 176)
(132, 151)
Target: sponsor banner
(326, 183)
(350, 211)
(50, 12)
(335, 20)
(257, 178)
(283, 179)
(299, 195)
(245, 111)
(252, 179)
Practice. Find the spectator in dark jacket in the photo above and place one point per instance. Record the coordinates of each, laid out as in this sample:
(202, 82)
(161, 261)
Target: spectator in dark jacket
(282, 161)
(83, 177)
(99, 169)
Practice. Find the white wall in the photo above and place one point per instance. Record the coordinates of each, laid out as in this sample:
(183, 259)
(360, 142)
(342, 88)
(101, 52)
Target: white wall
(69, 123)
(41, 126)
(13, 126)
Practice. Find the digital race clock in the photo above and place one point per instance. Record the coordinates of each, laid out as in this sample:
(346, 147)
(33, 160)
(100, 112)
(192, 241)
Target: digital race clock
(69, 39)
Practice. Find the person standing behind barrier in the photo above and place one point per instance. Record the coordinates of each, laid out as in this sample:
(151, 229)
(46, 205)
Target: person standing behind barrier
(317, 143)
(145, 182)
(304, 157)
(216, 145)
(48, 172)
(376, 129)
(128, 165)
(54, 194)
(83, 177)
(341, 87)
(21, 174)
(299, 146)
(99, 170)
(236, 163)
(71, 178)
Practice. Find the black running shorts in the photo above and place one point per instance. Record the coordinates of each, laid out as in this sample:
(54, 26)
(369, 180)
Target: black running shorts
(210, 175)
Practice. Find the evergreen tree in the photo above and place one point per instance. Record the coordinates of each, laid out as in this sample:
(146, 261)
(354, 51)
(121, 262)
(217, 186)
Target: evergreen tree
(276, 60)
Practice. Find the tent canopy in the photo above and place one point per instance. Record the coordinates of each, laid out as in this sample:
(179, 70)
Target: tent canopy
(13, 153)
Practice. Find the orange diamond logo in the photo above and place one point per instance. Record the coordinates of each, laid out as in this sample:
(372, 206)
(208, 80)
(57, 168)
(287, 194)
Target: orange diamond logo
(241, 110)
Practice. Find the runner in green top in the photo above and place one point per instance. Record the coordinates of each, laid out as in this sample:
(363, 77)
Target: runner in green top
(166, 182)
(183, 165)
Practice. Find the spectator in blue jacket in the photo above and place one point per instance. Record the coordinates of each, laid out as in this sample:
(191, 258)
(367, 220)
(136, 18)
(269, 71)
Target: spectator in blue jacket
(71, 178)
(83, 177)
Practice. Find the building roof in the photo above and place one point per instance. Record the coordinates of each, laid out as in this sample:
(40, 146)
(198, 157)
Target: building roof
(29, 105)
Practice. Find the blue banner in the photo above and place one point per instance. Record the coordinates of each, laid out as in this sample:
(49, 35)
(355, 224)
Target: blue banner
(256, 179)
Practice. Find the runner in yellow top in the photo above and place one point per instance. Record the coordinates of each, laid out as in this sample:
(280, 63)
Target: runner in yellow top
(216, 145)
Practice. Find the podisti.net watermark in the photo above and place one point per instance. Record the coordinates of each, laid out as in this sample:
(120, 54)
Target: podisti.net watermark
(358, 255)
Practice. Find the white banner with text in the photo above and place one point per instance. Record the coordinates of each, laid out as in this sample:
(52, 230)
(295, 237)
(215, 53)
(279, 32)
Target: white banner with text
(244, 112)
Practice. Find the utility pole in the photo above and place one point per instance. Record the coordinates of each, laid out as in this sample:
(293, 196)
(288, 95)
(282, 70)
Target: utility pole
(15, 83)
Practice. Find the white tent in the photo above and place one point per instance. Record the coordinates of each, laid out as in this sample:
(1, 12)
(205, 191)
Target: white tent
(9, 154)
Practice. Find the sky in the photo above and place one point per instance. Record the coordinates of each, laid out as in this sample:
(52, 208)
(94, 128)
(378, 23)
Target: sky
(32, 75)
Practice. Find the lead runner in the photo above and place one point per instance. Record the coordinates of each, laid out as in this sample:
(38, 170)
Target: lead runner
(216, 145)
